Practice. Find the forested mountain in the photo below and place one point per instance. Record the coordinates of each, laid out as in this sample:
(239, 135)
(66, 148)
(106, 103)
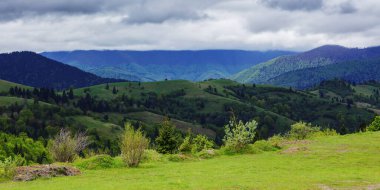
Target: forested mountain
(204, 107)
(32, 69)
(309, 68)
(160, 65)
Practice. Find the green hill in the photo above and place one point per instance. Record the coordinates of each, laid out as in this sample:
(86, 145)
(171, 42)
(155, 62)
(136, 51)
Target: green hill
(6, 85)
(310, 68)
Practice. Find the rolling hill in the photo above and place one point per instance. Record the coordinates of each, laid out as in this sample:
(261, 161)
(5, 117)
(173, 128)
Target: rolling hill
(34, 70)
(307, 69)
(160, 65)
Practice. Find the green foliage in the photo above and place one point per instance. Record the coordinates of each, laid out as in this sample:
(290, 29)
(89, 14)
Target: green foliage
(207, 154)
(187, 144)
(195, 144)
(168, 139)
(98, 162)
(301, 130)
(151, 155)
(8, 166)
(239, 134)
(179, 157)
(133, 145)
(264, 146)
(375, 125)
(23, 148)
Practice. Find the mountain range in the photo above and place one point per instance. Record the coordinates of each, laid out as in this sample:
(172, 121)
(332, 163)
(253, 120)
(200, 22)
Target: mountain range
(161, 65)
(306, 69)
(32, 69)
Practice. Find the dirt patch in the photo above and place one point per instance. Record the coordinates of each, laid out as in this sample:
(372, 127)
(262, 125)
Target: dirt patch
(369, 187)
(29, 173)
(294, 149)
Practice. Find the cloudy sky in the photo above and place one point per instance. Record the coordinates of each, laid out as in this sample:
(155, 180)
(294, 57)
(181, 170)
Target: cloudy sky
(49, 25)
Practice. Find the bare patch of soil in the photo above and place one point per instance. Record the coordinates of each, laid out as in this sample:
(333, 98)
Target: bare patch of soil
(29, 173)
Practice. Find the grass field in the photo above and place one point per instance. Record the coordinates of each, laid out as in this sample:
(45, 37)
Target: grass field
(5, 85)
(6, 101)
(334, 162)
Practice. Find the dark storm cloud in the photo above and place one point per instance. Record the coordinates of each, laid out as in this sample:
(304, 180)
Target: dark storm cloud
(13, 9)
(291, 5)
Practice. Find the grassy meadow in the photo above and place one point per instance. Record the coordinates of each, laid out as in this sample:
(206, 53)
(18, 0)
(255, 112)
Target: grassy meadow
(331, 162)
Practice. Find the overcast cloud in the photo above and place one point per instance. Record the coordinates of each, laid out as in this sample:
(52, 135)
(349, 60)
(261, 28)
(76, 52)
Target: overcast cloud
(49, 25)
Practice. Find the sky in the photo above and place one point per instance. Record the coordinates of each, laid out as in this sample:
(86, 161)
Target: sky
(298, 25)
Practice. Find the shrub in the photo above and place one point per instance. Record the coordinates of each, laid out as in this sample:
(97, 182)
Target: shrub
(186, 145)
(195, 145)
(23, 147)
(201, 142)
(168, 139)
(207, 153)
(375, 125)
(8, 167)
(97, 162)
(276, 141)
(151, 155)
(239, 134)
(179, 157)
(264, 146)
(65, 148)
(301, 130)
(133, 144)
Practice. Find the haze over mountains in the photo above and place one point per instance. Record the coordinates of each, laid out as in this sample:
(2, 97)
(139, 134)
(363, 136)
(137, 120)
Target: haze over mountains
(31, 69)
(279, 68)
(309, 68)
(161, 65)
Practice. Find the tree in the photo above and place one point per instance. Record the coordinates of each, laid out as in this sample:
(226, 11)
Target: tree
(65, 148)
(238, 134)
(133, 144)
(375, 125)
(168, 138)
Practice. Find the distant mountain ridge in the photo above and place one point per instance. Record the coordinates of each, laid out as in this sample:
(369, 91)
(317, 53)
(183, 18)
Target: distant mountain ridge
(309, 68)
(160, 65)
(34, 70)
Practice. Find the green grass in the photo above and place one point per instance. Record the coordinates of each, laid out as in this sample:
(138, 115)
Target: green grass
(5, 85)
(107, 130)
(152, 119)
(349, 162)
(366, 90)
(6, 101)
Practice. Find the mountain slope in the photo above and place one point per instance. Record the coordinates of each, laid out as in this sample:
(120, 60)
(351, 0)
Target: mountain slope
(320, 59)
(355, 71)
(160, 65)
(34, 70)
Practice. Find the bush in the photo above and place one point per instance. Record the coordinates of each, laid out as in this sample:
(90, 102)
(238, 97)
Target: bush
(264, 146)
(133, 145)
(98, 162)
(186, 145)
(168, 139)
(65, 148)
(301, 131)
(195, 145)
(23, 148)
(8, 167)
(200, 143)
(207, 153)
(276, 141)
(179, 157)
(239, 134)
(151, 155)
(375, 125)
